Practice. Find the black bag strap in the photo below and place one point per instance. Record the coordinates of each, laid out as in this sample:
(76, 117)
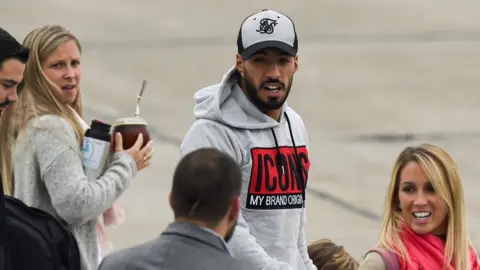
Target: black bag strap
(4, 255)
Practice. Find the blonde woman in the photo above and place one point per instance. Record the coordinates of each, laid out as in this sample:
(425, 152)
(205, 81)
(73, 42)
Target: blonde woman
(44, 147)
(424, 224)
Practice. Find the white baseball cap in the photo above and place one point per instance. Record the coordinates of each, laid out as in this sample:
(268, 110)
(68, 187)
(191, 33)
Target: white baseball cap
(267, 29)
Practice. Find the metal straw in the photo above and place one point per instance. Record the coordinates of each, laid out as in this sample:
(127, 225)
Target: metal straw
(139, 97)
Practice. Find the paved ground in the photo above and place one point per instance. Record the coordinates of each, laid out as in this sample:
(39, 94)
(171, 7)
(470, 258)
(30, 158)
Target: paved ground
(370, 72)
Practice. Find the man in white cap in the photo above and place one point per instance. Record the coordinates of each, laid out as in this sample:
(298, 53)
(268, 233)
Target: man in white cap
(246, 116)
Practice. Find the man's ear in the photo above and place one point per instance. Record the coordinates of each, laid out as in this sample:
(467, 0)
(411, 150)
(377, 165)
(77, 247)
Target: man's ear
(234, 209)
(295, 60)
(170, 199)
(239, 64)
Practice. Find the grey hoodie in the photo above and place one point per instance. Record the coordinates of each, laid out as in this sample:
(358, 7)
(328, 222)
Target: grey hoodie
(270, 233)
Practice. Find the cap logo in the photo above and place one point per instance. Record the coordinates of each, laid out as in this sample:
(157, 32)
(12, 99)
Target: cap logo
(266, 26)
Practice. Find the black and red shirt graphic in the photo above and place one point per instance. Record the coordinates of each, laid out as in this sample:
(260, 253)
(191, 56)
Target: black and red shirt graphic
(272, 187)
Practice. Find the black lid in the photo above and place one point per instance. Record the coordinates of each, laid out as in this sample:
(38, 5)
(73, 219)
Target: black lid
(97, 124)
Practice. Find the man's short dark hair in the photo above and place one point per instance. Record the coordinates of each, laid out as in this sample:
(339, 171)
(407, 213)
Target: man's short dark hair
(11, 48)
(204, 184)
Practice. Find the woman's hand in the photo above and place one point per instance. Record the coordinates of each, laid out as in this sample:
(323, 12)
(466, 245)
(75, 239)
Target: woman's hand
(142, 156)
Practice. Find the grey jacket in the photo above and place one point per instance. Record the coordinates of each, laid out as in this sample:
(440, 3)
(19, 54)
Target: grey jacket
(182, 246)
(49, 175)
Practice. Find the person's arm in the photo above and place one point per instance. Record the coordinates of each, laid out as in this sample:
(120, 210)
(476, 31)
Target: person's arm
(205, 133)
(74, 197)
(302, 243)
(373, 261)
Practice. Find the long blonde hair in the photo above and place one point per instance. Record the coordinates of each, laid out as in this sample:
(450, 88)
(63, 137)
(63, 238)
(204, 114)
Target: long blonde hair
(444, 176)
(38, 97)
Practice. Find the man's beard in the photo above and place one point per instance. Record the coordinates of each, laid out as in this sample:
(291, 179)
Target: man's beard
(230, 231)
(4, 104)
(272, 103)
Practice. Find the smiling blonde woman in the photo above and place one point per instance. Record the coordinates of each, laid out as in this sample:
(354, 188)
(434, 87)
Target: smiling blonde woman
(424, 223)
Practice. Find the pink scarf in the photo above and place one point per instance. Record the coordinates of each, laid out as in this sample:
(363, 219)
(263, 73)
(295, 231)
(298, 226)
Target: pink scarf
(114, 216)
(427, 252)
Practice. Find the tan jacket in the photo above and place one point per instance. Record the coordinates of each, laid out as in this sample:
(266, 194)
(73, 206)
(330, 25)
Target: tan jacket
(373, 261)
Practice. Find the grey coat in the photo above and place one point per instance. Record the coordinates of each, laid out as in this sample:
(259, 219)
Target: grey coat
(182, 246)
(50, 176)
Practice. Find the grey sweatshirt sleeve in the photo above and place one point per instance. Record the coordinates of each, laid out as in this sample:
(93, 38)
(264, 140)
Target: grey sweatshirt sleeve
(302, 243)
(74, 197)
(205, 133)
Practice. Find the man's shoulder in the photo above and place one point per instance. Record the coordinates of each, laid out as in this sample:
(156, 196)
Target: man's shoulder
(293, 115)
(211, 259)
(210, 124)
(231, 263)
(208, 128)
(172, 252)
(129, 258)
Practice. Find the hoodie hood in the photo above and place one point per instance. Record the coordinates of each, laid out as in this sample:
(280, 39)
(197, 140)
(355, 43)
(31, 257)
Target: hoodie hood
(226, 103)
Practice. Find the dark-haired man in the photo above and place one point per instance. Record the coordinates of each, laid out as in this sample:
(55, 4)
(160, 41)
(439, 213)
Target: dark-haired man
(205, 199)
(13, 57)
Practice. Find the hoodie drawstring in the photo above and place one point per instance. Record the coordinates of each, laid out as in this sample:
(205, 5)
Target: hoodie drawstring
(297, 160)
(278, 157)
